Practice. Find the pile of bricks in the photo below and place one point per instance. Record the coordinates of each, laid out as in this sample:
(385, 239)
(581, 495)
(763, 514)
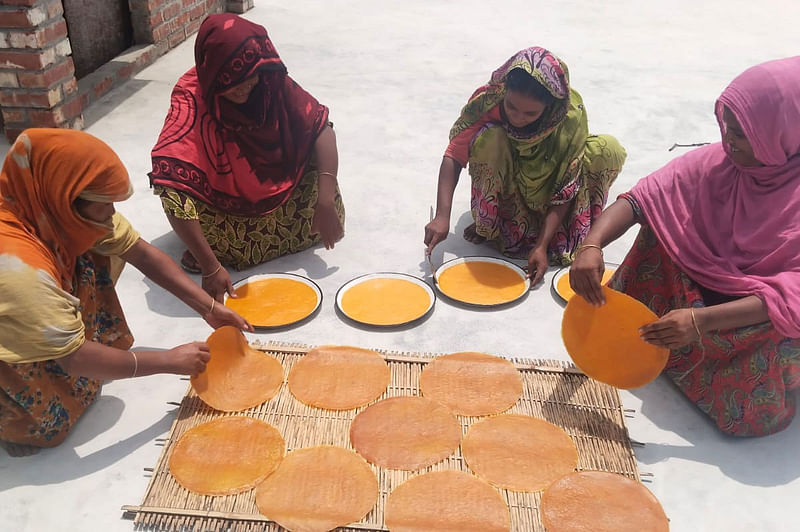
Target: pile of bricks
(37, 76)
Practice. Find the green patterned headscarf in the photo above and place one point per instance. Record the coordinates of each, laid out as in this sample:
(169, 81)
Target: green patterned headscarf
(550, 150)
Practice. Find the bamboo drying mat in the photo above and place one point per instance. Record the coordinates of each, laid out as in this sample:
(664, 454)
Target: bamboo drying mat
(589, 411)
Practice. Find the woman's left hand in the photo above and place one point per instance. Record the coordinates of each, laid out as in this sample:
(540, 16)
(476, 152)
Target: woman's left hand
(673, 331)
(326, 223)
(537, 264)
(221, 315)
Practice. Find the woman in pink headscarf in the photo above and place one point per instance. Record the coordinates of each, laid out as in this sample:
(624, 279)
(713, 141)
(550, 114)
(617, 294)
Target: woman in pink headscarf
(718, 256)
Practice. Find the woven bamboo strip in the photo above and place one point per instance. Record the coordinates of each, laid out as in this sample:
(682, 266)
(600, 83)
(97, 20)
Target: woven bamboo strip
(590, 412)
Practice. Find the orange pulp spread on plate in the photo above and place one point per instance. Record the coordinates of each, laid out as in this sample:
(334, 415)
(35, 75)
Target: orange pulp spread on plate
(481, 283)
(565, 290)
(274, 302)
(385, 301)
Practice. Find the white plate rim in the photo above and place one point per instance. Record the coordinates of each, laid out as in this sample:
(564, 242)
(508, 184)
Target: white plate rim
(385, 275)
(281, 275)
(562, 272)
(482, 258)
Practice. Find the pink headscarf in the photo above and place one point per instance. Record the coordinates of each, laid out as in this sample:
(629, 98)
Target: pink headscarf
(736, 229)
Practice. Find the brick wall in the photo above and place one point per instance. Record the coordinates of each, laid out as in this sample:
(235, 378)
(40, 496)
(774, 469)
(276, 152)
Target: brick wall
(37, 76)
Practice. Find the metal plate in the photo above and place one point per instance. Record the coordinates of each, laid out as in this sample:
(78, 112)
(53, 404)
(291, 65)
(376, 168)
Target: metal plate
(386, 275)
(563, 298)
(299, 278)
(462, 260)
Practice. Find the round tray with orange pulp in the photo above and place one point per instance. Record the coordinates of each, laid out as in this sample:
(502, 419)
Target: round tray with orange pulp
(385, 299)
(561, 289)
(482, 281)
(275, 300)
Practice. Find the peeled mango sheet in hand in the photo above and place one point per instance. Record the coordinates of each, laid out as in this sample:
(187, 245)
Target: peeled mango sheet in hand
(318, 489)
(597, 501)
(446, 501)
(604, 341)
(339, 377)
(237, 377)
(226, 456)
(472, 384)
(520, 453)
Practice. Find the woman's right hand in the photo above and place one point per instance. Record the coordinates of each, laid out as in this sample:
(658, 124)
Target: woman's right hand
(218, 283)
(436, 231)
(586, 275)
(189, 359)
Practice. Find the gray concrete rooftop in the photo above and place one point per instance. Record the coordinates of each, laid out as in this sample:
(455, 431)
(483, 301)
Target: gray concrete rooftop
(395, 75)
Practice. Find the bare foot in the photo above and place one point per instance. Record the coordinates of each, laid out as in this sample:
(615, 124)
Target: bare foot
(471, 235)
(17, 450)
(189, 263)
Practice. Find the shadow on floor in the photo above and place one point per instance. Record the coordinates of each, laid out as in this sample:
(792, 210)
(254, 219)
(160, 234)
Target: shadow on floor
(765, 461)
(62, 463)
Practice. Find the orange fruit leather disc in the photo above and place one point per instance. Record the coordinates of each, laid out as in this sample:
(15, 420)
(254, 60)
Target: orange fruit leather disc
(318, 489)
(472, 384)
(273, 302)
(226, 456)
(237, 377)
(596, 501)
(446, 501)
(517, 452)
(604, 342)
(339, 377)
(565, 290)
(385, 301)
(405, 433)
(481, 283)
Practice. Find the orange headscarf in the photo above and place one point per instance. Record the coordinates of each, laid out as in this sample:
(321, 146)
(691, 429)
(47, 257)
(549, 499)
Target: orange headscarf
(45, 171)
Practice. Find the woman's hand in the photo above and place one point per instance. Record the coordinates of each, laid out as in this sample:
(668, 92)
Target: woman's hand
(537, 264)
(221, 315)
(326, 223)
(674, 330)
(188, 359)
(435, 232)
(586, 275)
(217, 283)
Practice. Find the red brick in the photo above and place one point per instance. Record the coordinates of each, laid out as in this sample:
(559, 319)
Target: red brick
(40, 38)
(25, 98)
(15, 116)
(49, 76)
(159, 33)
(69, 86)
(102, 87)
(58, 115)
(179, 22)
(176, 38)
(28, 3)
(15, 19)
(171, 11)
(126, 71)
(187, 3)
(25, 60)
(193, 26)
(197, 12)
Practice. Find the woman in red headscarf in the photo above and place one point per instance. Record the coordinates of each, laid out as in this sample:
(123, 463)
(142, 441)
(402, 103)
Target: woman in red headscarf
(246, 162)
(62, 330)
(717, 256)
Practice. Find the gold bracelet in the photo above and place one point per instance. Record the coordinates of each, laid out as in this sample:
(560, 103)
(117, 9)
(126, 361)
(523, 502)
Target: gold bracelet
(213, 302)
(328, 173)
(212, 274)
(586, 246)
(696, 328)
(135, 364)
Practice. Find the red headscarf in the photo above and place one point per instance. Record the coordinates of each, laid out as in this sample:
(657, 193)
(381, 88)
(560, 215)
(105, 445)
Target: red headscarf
(243, 159)
(736, 229)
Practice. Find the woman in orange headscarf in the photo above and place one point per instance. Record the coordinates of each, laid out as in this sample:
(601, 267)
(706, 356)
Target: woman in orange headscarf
(62, 330)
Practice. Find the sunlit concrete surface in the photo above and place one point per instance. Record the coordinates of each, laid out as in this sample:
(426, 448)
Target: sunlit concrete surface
(395, 75)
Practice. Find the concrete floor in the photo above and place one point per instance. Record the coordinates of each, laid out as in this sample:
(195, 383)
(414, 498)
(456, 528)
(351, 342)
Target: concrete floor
(395, 75)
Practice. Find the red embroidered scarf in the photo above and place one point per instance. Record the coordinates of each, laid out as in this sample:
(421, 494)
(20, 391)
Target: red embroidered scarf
(243, 159)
